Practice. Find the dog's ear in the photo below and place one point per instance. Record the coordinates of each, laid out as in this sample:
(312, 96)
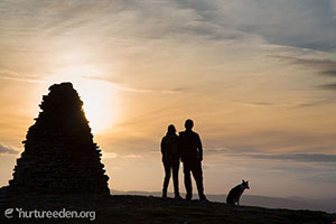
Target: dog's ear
(243, 181)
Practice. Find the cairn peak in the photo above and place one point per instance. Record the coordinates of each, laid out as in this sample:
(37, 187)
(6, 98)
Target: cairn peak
(59, 153)
(64, 85)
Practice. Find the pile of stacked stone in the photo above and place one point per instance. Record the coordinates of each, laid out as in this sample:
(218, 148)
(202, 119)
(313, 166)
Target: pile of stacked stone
(60, 155)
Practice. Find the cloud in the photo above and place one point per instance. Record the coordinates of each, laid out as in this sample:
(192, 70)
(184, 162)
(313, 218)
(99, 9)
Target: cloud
(8, 75)
(299, 104)
(113, 155)
(323, 63)
(115, 168)
(290, 23)
(326, 67)
(322, 177)
(217, 150)
(299, 157)
(329, 86)
(313, 103)
(7, 150)
(331, 73)
(251, 153)
(255, 104)
(133, 156)
(307, 172)
(110, 155)
(118, 85)
(270, 145)
(272, 140)
(139, 90)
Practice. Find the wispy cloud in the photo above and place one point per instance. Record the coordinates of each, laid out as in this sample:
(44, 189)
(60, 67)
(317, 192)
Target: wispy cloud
(299, 157)
(120, 86)
(8, 75)
(323, 63)
(8, 150)
(322, 177)
(210, 19)
(217, 150)
(331, 73)
(313, 103)
(114, 155)
(254, 104)
(325, 67)
(110, 155)
(133, 156)
(299, 104)
(278, 22)
(329, 86)
(140, 90)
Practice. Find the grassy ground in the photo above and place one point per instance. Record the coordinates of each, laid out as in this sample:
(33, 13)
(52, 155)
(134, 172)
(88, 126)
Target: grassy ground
(140, 209)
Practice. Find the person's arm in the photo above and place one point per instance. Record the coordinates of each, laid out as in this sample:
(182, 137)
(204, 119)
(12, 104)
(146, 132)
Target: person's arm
(182, 146)
(179, 147)
(163, 151)
(161, 147)
(200, 148)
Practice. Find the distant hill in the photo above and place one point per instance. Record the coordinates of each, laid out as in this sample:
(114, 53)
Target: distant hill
(297, 203)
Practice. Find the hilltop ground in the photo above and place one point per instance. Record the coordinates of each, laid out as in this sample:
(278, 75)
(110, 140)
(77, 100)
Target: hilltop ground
(141, 209)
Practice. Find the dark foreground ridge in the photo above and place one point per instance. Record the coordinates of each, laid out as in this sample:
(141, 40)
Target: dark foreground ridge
(142, 209)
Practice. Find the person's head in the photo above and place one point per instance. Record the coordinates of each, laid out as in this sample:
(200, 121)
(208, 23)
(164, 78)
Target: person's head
(171, 129)
(189, 124)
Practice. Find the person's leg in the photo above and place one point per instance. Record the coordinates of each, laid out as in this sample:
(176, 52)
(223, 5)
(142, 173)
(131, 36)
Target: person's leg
(166, 179)
(198, 175)
(176, 167)
(187, 180)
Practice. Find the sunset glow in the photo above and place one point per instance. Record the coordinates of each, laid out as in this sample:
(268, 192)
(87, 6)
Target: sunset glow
(258, 77)
(98, 97)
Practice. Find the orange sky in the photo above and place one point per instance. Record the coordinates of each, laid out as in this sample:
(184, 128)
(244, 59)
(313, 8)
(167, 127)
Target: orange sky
(257, 77)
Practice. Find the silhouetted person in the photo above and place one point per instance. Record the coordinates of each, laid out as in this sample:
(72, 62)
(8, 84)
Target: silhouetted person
(192, 156)
(170, 159)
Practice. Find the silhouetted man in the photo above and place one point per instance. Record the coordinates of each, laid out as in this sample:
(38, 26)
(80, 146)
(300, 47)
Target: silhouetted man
(171, 160)
(192, 156)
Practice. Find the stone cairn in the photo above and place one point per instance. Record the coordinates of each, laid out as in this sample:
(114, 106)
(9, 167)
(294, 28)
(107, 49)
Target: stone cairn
(60, 155)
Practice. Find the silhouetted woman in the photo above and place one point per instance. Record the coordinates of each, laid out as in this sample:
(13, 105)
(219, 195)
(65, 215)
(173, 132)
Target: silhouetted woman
(170, 159)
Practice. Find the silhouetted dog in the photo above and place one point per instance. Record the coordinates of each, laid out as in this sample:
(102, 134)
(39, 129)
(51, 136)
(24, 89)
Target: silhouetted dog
(235, 193)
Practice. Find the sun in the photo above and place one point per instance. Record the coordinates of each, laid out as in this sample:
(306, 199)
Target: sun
(99, 107)
(99, 100)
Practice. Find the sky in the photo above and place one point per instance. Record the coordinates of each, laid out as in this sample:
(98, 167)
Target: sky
(258, 77)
